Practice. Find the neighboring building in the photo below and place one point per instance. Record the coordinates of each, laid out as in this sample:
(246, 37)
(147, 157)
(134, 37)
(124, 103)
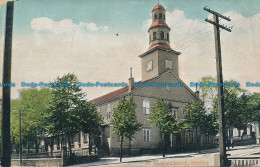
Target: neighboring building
(159, 65)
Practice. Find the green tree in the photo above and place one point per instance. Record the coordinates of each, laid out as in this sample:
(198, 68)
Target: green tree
(197, 118)
(165, 121)
(34, 104)
(89, 120)
(61, 115)
(124, 120)
(207, 93)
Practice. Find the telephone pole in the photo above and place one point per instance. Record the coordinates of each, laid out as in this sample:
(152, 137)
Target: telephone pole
(6, 141)
(20, 137)
(221, 106)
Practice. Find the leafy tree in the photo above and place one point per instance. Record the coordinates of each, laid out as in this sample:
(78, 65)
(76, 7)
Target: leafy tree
(34, 104)
(165, 121)
(208, 93)
(255, 107)
(124, 120)
(88, 120)
(65, 99)
(197, 118)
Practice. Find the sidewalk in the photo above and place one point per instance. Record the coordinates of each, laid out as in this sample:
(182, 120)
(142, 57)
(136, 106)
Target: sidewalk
(157, 157)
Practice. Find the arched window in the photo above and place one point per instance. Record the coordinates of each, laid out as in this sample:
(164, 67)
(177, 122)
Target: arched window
(162, 34)
(154, 35)
(160, 16)
(109, 111)
(146, 106)
(168, 38)
(155, 16)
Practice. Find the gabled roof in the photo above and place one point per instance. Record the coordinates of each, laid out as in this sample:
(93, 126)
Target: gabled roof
(116, 94)
(111, 95)
(125, 91)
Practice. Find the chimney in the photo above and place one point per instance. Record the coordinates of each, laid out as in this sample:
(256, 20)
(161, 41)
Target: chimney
(130, 81)
(197, 93)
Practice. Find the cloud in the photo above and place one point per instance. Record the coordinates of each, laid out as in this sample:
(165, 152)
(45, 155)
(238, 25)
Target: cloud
(63, 26)
(107, 57)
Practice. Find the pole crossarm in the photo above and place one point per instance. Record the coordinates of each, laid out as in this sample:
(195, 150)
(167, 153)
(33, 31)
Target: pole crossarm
(216, 13)
(218, 25)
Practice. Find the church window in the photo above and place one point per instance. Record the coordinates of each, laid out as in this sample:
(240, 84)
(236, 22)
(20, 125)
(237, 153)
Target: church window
(154, 35)
(155, 16)
(146, 135)
(168, 64)
(149, 65)
(163, 17)
(146, 106)
(160, 16)
(168, 38)
(108, 111)
(162, 34)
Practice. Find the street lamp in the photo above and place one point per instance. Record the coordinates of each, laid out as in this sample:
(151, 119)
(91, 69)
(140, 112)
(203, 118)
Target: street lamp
(20, 124)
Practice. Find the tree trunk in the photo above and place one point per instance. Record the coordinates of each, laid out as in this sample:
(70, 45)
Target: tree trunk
(69, 142)
(90, 144)
(121, 148)
(199, 142)
(36, 142)
(129, 149)
(28, 146)
(51, 144)
(163, 140)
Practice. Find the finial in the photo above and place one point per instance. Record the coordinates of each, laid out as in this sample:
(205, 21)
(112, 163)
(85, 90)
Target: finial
(158, 2)
(131, 72)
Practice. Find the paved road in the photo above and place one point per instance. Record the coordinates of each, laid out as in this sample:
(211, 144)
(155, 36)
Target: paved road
(205, 158)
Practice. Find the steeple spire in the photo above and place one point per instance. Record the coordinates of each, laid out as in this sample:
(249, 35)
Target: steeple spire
(159, 30)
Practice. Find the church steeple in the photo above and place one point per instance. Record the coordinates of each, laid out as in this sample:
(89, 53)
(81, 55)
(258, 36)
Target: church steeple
(160, 57)
(159, 30)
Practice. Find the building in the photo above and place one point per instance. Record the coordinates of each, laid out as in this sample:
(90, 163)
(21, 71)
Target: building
(159, 65)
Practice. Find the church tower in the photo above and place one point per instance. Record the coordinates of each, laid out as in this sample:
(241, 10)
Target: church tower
(160, 57)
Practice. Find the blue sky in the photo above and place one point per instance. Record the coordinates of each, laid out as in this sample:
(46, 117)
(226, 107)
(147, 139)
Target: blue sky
(120, 15)
(54, 37)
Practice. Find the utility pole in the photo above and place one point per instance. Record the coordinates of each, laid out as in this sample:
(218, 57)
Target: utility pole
(6, 141)
(221, 106)
(20, 127)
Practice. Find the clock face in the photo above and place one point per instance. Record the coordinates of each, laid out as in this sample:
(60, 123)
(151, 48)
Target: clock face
(149, 65)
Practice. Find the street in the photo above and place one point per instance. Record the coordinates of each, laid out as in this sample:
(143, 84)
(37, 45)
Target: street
(205, 158)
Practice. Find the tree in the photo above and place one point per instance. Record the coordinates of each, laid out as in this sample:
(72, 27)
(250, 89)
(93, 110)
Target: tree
(197, 118)
(165, 121)
(66, 96)
(88, 120)
(124, 120)
(33, 104)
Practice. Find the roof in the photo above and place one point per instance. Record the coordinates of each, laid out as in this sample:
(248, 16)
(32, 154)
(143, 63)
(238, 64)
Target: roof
(111, 95)
(165, 46)
(117, 93)
(158, 6)
(161, 47)
(158, 23)
(124, 91)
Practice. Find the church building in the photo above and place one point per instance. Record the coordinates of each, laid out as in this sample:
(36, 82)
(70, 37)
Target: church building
(159, 64)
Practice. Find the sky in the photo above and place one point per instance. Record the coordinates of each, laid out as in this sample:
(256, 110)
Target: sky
(54, 37)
